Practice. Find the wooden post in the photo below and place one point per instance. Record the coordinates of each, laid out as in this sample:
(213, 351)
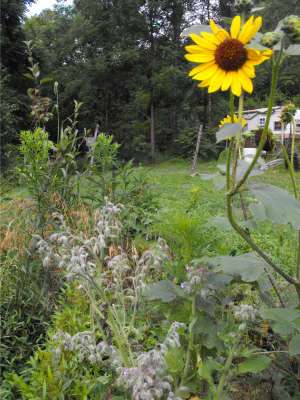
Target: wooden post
(92, 158)
(197, 149)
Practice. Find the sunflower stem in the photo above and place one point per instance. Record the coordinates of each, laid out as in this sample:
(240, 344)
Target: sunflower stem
(238, 141)
(265, 131)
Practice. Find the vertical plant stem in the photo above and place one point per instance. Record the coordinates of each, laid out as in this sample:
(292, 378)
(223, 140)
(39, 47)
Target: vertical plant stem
(265, 131)
(226, 369)
(238, 141)
(188, 356)
(293, 143)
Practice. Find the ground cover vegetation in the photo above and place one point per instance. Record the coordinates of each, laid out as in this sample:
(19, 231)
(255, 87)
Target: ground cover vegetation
(121, 281)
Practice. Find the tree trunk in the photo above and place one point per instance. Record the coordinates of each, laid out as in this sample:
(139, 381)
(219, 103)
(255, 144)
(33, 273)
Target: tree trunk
(152, 130)
(197, 149)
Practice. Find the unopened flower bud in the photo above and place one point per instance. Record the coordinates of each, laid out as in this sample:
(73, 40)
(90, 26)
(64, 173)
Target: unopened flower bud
(269, 39)
(243, 6)
(292, 28)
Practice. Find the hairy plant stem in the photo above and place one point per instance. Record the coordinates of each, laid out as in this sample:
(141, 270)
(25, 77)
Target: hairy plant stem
(291, 170)
(238, 141)
(191, 337)
(110, 321)
(293, 143)
(255, 247)
(226, 369)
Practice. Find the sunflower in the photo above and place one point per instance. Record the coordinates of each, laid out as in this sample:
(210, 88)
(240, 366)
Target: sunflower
(235, 120)
(225, 59)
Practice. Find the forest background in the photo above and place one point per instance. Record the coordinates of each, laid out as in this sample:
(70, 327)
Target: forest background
(124, 60)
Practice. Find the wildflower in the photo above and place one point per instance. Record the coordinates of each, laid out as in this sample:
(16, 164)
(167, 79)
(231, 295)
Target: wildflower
(287, 113)
(225, 60)
(235, 120)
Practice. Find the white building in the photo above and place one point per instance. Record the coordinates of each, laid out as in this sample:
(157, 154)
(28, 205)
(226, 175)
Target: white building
(257, 118)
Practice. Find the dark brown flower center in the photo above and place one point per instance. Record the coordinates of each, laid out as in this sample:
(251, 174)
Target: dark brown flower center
(231, 55)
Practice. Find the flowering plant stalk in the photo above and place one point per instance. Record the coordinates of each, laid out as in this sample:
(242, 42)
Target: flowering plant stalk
(227, 61)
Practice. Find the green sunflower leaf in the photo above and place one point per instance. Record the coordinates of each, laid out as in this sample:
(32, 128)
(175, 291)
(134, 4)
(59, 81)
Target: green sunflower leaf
(228, 130)
(281, 319)
(256, 46)
(197, 29)
(248, 266)
(280, 206)
(293, 50)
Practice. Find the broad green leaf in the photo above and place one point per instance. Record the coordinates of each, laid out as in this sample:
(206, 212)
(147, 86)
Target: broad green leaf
(296, 322)
(205, 177)
(29, 76)
(293, 50)
(220, 223)
(254, 9)
(205, 305)
(254, 365)
(197, 29)
(281, 319)
(46, 80)
(256, 46)
(283, 395)
(219, 182)
(205, 372)
(228, 130)
(280, 206)
(210, 330)
(219, 281)
(258, 211)
(241, 169)
(175, 360)
(294, 347)
(163, 290)
(250, 224)
(248, 266)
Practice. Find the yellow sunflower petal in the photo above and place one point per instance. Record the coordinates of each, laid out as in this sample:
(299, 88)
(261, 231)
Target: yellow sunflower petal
(205, 74)
(195, 49)
(256, 57)
(249, 70)
(203, 43)
(200, 58)
(205, 83)
(213, 26)
(236, 86)
(222, 35)
(249, 29)
(216, 81)
(235, 27)
(227, 81)
(211, 38)
(201, 67)
(245, 81)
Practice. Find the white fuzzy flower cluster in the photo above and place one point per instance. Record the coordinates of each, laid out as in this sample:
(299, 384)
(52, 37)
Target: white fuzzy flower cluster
(197, 278)
(75, 252)
(87, 349)
(148, 381)
(246, 313)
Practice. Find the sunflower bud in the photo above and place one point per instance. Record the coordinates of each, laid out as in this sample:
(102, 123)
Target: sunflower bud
(287, 113)
(292, 28)
(269, 39)
(243, 6)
